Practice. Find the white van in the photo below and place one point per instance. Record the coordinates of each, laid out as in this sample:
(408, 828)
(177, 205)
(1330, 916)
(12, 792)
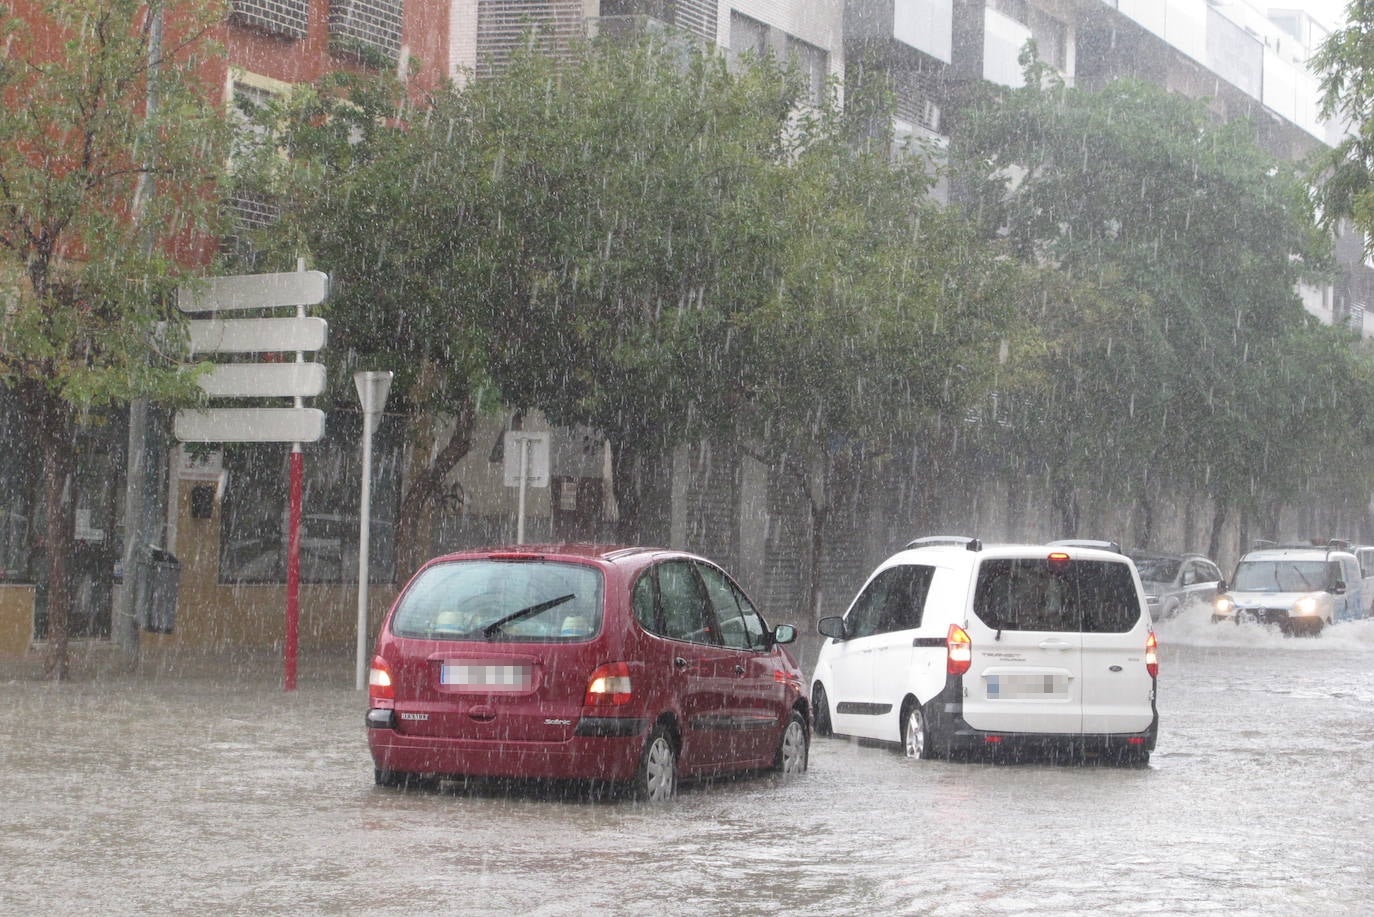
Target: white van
(969, 647)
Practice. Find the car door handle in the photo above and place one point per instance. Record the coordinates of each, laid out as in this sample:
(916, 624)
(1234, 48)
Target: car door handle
(681, 663)
(1053, 644)
(739, 670)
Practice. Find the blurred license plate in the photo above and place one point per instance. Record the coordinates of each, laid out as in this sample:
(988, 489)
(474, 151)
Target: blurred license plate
(1013, 685)
(486, 676)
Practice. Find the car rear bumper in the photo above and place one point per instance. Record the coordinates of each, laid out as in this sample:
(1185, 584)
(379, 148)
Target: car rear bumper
(946, 719)
(604, 748)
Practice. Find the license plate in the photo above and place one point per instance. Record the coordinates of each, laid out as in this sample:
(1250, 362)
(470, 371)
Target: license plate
(1019, 685)
(485, 676)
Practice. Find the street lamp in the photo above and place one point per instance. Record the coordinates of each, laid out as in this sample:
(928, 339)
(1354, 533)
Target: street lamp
(372, 389)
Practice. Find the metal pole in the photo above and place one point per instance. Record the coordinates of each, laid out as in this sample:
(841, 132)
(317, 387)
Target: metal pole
(293, 569)
(293, 543)
(124, 610)
(524, 474)
(364, 533)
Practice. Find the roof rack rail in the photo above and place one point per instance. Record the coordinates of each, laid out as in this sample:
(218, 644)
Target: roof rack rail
(930, 541)
(1099, 544)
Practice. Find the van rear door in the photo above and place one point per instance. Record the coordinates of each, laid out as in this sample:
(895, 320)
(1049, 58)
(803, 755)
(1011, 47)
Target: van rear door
(1041, 628)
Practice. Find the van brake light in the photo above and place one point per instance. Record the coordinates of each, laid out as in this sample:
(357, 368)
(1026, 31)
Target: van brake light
(1152, 655)
(958, 650)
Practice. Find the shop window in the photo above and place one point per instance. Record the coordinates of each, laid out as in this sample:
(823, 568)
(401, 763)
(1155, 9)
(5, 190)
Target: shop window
(254, 512)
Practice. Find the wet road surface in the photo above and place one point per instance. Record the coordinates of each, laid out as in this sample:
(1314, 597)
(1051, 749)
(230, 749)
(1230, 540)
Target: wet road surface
(191, 792)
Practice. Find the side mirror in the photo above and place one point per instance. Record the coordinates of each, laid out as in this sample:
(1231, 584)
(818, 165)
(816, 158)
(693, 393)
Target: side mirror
(1221, 586)
(784, 633)
(832, 627)
(1338, 587)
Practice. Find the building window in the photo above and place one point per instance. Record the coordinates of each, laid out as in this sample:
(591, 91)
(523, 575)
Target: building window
(18, 490)
(748, 36)
(286, 18)
(504, 26)
(254, 517)
(813, 64)
(249, 209)
(368, 30)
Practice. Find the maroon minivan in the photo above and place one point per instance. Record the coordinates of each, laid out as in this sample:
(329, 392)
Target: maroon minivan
(634, 666)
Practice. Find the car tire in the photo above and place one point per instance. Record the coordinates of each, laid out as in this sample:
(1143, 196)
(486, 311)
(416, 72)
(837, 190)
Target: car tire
(820, 711)
(917, 741)
(394, 780)
(656, 779)
(793, 748)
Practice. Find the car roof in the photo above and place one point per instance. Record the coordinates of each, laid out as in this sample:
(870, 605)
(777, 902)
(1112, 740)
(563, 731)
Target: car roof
(968, 554)
(1296, 553)
(625, 557)
(1164, 555)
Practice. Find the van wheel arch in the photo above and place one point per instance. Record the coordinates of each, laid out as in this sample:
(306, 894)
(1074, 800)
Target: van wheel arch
(913, 716)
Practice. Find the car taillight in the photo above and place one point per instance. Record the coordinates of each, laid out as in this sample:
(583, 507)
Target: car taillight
(959, 648)
(1152, 655)
(608, 685)
(379, 684)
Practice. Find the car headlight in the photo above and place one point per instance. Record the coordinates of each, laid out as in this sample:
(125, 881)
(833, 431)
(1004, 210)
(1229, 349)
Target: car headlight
(1307, 605)
(1223, 605)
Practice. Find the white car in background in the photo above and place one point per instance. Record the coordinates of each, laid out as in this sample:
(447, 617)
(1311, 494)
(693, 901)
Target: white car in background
(968, 647)
(1300, 588)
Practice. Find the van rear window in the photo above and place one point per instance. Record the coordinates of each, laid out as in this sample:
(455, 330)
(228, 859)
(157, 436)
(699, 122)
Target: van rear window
(1089, 596)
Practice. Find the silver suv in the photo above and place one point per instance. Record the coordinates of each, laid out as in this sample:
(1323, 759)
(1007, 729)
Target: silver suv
(1176, 581)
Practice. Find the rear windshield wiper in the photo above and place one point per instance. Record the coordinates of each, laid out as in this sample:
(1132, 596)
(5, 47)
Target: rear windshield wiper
(499, 623)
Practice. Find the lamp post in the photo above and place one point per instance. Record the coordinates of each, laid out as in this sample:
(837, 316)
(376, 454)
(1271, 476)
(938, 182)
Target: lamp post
(372, 388)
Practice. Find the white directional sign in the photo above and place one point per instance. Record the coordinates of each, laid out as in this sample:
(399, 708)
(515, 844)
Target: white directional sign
(263, 380)
(254, 291)
(535, 447)
(256, 335)
(250, 425)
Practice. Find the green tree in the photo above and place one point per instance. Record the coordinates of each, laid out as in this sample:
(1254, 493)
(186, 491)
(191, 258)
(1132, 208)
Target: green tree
(99, 194)
(885, 318)
(629, 224)
(1179, 244)
(573, 235)
(1344, 175)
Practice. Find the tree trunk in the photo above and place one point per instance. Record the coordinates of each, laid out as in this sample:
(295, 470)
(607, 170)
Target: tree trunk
(1067, 502)
(1146, 532)
(55, 436)
(1218, 525)
(424, 491)
(820, 515)
(627, 482)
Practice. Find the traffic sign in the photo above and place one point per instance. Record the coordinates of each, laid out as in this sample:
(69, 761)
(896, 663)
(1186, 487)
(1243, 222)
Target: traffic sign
(536, 458)
(254, 291)
(263, 380)
(256, 335)
(249, 425)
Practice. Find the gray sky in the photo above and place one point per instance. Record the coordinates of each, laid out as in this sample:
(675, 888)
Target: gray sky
(1330, 13)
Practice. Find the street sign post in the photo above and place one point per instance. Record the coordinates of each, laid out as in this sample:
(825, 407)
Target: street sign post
(254, 291)
(372, 389)
(526, 464)
(297, 424)
(263, 380)
(256, 335)
(249, 425)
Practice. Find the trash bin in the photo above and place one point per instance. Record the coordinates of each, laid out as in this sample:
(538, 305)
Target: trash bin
(159, 580)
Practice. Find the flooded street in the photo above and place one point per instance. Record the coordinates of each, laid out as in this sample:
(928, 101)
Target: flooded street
(215, 792)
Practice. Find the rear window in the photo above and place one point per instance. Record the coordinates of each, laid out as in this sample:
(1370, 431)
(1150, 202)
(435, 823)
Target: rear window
(497, 600)
(1088, 596)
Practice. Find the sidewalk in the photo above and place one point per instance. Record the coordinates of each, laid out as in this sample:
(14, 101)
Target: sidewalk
(102, 661)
